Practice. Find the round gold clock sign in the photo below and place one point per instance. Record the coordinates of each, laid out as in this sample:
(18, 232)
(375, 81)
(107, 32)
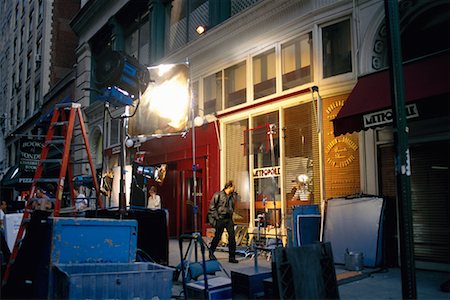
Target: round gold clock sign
(341, 151)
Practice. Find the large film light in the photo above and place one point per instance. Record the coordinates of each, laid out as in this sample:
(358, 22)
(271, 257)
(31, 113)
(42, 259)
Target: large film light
(116, 69)
(164, 106)
(115, 96)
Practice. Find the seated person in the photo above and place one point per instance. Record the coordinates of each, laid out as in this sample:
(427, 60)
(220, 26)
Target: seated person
(81, 202)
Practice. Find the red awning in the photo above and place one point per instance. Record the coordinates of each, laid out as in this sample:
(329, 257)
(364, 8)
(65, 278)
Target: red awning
(423, 79)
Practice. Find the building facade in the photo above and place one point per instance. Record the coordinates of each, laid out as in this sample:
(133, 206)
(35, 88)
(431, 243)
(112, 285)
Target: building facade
(294, 102)
(37, 62)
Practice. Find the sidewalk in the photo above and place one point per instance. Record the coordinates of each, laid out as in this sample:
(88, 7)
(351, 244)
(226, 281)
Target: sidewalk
(371, 284)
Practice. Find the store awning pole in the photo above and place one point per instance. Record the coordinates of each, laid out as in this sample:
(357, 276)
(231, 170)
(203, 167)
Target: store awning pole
(402, 165)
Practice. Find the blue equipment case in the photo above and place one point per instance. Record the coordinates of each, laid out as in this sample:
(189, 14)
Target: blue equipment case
(218, 288)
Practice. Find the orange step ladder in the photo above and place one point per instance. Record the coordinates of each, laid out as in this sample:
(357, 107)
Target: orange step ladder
(62, 122)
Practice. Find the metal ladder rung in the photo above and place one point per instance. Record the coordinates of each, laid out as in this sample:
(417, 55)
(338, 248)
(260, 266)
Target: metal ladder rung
(79, 162)
(56, 142)
(51, 161)
(47, 180)
(68, 105)
(60, 123)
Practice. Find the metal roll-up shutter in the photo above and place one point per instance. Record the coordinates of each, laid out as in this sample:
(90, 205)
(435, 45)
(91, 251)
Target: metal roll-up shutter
(430, 183)
(430, 201)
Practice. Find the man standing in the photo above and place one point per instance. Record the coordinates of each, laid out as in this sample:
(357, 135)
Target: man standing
(220, 216)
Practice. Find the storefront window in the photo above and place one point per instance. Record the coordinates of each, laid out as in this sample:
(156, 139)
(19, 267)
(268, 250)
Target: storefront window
(212, 93)
(337, 49)
(264, 144)
(296, 62)
(235, 85)
(237, 168)
(264, 82)
(115, 131)
(302, 182)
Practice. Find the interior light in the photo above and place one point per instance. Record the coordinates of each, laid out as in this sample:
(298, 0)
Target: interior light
(200, 29)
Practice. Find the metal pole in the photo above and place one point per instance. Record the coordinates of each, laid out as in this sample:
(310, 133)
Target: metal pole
(402, 165)
(194, 173)
(123, 154)
(275, 183)
(194, 164)
(122, 205)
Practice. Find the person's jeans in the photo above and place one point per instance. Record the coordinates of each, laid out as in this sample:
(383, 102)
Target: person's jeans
(220, 226)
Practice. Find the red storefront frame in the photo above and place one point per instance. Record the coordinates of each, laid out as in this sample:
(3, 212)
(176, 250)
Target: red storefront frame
(176, 152)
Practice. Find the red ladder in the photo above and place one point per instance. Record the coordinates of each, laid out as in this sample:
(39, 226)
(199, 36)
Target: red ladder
(63, 121)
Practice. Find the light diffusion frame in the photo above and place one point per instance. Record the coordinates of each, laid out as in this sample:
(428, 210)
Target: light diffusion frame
(164, 106)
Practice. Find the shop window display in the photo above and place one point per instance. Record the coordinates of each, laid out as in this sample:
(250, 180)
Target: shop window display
(237, 169)
(264, 141)
(302, 182)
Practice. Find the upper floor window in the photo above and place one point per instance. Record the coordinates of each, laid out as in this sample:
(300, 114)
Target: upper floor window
(138, 39)
(22, 36)
(296, 62)
(240, 5)
(27, 104)
(185, 17)
(264, 74)
(29, 61)
(37, 96)
(30, 22)
(17, 13)
(41, 11)
(235, 79)
(212, 93)
(337, 49)
(114, 132)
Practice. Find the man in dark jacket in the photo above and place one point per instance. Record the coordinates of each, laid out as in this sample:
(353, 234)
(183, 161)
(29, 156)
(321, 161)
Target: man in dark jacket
(220, 216)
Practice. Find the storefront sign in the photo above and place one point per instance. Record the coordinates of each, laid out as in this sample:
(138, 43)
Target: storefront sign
(30, 153)
(386, 116)
(341, 151)
(267, 172)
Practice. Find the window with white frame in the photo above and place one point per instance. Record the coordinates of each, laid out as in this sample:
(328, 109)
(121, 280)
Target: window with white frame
(212, 93)
(296, 61)
(264, 74)
(235, 81)
(336, 49)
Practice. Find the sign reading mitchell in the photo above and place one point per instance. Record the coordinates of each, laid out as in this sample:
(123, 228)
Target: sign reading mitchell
(386, 116)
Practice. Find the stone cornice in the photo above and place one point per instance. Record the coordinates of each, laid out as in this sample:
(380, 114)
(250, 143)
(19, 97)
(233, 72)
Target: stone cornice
(93, 15)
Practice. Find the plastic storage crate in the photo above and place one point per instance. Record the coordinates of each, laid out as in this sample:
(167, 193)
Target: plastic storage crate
(141, 280)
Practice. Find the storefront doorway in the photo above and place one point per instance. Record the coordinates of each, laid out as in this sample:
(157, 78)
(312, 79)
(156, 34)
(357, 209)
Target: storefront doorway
(187, 214)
